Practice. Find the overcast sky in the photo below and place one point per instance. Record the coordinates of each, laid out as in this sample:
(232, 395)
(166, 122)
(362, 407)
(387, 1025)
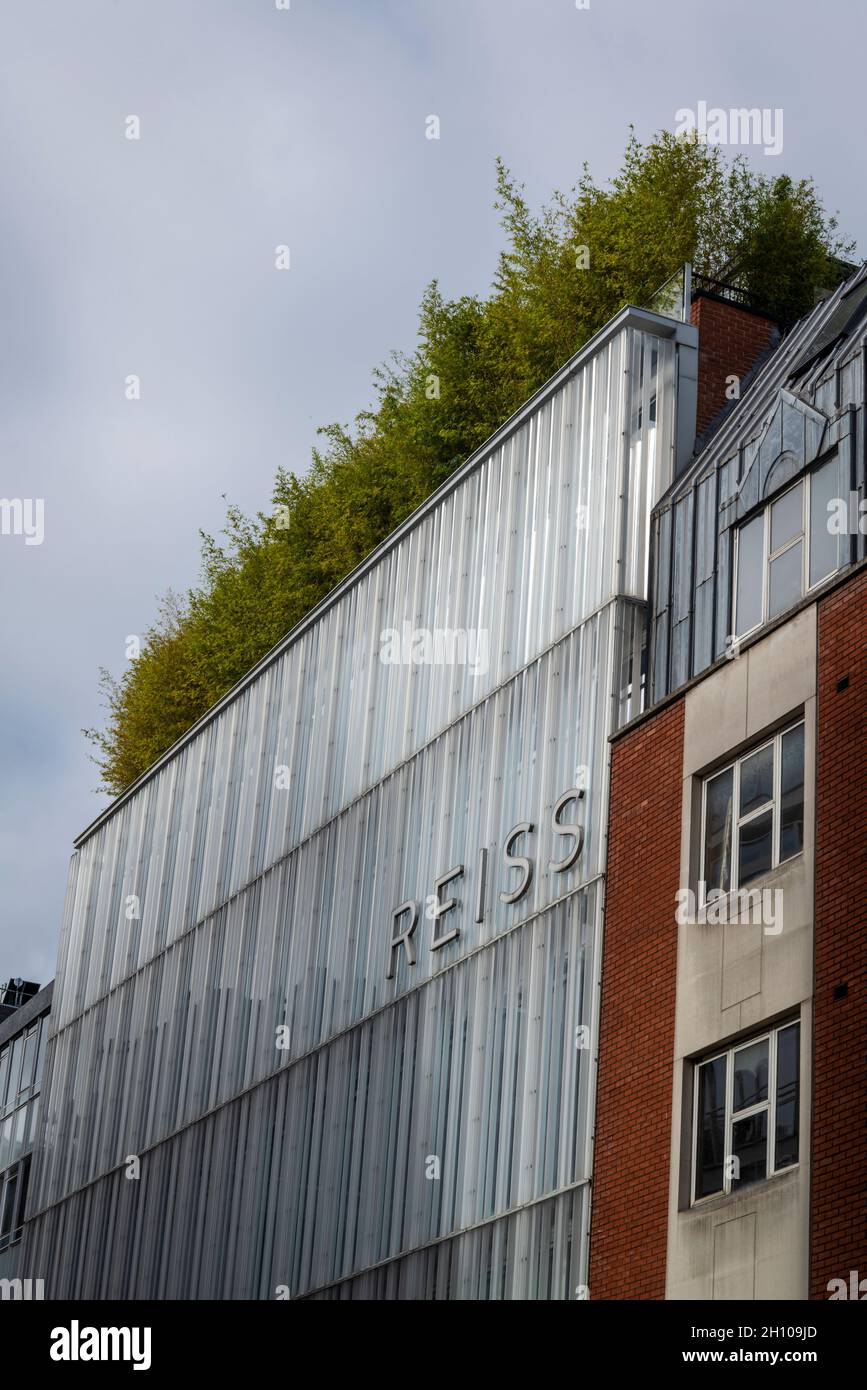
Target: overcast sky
(155, 257)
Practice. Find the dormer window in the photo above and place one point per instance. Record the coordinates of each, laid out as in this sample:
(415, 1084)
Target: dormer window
(786, 550)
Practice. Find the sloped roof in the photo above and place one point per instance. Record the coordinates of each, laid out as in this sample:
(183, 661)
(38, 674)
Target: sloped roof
(806, 355)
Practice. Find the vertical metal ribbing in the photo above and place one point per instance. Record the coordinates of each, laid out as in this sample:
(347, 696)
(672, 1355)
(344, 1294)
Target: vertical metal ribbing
(266, 860)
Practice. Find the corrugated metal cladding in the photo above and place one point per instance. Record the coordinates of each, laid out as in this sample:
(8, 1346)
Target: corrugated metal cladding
(313, 1109)
(308, 943)
(789, 420)
(324, 1169)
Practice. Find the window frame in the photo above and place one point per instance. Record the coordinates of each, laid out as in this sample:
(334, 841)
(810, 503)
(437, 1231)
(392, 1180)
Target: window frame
(770, 1034)
(19, 1173)
(804, 480)
(774, 740)
(799, 538)
(15, 1049)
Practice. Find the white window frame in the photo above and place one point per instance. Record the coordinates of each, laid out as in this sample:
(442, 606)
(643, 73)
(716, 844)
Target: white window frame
(803, 536)
(738, 820)
(733, 1116)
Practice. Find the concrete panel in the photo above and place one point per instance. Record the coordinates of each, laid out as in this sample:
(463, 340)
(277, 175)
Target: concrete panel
(742, 963)
(715, 716)
(781, 672)
(734, 1258)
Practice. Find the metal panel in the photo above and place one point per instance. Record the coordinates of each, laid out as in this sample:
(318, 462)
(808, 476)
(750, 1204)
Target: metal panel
(534, 1254)
(327, 1167)
(307, 945)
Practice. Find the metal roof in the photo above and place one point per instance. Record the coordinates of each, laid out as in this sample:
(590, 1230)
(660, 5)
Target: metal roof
(816, 341)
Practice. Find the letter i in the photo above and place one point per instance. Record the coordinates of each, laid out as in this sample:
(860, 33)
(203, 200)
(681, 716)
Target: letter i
(483, 881)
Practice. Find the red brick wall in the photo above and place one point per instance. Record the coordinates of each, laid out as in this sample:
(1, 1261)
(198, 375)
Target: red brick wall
(838, 1217)
(729, 341)
(636, 1044)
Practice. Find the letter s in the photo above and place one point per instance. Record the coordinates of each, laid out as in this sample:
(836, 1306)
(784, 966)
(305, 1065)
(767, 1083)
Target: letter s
(560, 866)
(517, 862)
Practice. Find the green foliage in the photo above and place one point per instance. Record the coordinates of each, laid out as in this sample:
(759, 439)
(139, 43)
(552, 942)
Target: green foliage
(476, 361)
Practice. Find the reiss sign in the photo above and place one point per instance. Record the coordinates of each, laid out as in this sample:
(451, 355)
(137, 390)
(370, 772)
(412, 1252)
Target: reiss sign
(405, 918)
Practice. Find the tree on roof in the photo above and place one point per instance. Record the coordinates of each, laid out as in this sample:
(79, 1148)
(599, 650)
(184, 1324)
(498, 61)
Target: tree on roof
(563, 272)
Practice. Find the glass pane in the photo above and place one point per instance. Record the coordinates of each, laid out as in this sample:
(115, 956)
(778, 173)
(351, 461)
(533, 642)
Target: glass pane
(29, 1065)
(710, 1144)
(18, 1130)
(5, 1141)
(4, 1075)
(40, 1059)
(757, 780)
(826, 549)
(786, 580)
(792, 794)
(750, 1083)
(754, 856)
(750, 562)
(8, 1204)
(32, 1112)
(788, 1097)
(787, 517)
(16, 1052)
(750, 1149)
(718, 831)
(23, 1181)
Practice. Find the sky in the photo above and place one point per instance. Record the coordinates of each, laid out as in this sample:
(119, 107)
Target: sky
(261, 124)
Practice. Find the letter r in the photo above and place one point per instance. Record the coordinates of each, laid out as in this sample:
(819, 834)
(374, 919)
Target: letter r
(405, 937)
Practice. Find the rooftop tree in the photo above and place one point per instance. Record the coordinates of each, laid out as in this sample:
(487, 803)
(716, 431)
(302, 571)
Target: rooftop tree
(563, 272)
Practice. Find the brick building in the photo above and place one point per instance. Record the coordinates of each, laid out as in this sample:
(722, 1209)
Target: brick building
(731, 1119)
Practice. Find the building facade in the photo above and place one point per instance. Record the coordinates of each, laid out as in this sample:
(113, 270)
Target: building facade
(731, 1154)
(326, 1021)
(326, 1003)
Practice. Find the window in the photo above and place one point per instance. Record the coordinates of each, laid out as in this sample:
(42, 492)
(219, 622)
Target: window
(747, 1112)
(753, 814)
(21, 1066)
(21, 1062)
(13, 1193)
(786, 550)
